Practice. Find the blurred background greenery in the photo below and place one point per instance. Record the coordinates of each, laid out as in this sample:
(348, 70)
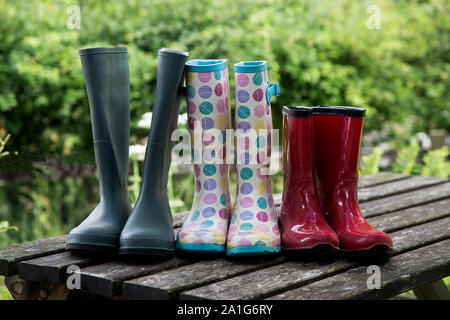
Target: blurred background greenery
(321, 53)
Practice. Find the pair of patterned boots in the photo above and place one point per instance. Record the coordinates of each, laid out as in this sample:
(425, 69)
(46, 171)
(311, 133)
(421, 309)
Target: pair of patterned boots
(322, 144)
(250, 227)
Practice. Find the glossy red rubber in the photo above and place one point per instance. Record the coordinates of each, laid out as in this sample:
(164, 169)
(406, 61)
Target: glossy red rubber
(303, 225)
(337, 147)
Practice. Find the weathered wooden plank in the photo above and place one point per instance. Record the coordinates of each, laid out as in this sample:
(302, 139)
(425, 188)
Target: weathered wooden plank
(53, 268)
(400, 186)
(168, 284)
(380, 178)
(106, 279)
(399, 274)
(286, 276)
(389, 184)
(405, 200)
(411, 216)
(10, 256)
(428, 195)
(179, 218)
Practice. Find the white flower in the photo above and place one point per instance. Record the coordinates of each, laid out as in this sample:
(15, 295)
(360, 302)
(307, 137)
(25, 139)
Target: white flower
(182, 118)
(137, 151)
(145, 121)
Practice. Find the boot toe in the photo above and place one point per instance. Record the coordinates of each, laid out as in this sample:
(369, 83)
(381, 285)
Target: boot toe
(145, 240)
(252, 243)
(309, 240)
(201, 241)
(367, 241)
(93, 238)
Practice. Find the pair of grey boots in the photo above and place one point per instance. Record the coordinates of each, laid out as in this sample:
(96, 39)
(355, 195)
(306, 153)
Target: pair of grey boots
(113, 226)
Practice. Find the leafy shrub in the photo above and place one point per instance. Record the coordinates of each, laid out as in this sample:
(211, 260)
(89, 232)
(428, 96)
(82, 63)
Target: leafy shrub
(320, 52)
(436, 163)
(370, 162)
(406, 158)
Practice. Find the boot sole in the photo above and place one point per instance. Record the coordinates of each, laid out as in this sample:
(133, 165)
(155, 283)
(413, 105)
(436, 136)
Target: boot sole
(148, 252)
(375, 251)
(248, 251)
(89, 247)
(201, 248)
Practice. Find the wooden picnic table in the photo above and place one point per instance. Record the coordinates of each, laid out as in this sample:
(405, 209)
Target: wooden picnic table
(415, 211)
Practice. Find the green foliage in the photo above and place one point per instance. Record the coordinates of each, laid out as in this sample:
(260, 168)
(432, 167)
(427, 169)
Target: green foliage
(370, 162)
(436, 163)
(42, 207)
(321, 52)
(4, 226)
(135, 182)
(406, 158)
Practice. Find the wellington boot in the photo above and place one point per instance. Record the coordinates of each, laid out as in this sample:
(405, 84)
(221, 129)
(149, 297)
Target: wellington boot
(205, 229)
(338, 132)
(304, 228)
(149, 229)
(254, 222)
(107, 82)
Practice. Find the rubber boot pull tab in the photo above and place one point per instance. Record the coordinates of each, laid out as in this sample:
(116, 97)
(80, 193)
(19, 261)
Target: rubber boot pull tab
(273, 89)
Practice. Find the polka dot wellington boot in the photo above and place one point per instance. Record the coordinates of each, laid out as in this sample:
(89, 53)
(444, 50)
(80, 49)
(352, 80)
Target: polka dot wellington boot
(253, 227)
(209, 116)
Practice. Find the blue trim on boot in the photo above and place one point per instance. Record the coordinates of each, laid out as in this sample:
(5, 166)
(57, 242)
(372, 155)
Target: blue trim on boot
(201, 247)
(207, 65)
(252, 251)
(250, 66)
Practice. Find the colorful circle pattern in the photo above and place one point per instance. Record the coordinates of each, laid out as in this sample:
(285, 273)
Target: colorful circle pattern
(254, 220)
(208, 101)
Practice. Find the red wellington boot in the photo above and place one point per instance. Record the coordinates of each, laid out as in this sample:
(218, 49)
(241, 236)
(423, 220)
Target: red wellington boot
(338, 133)
(303, 225)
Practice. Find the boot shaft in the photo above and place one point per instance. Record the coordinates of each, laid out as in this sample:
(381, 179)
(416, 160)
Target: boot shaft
(209, 114)
(166, 108)
(338, 132)
(106, 74)
(253, 116)
(298, 144)
(338, 135)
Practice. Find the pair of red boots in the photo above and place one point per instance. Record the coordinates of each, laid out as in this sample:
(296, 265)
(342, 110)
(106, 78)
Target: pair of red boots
(322, 144)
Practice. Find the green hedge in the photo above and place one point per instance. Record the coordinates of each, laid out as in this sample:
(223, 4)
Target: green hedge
(321, 52)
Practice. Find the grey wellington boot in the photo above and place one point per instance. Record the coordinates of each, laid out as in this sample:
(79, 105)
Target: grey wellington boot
(149, 229)
(108, 86)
